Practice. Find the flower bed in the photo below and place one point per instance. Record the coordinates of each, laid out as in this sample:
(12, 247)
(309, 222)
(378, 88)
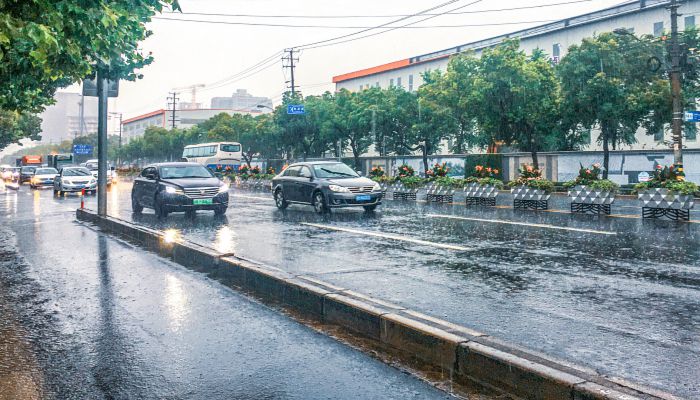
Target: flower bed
(530, 190)
(482, 187)
(589, 193)
(667, 194)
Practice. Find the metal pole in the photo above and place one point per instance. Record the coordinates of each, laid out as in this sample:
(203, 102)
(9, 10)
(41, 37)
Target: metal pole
(119, 157)
(102, 92)
(677, 120)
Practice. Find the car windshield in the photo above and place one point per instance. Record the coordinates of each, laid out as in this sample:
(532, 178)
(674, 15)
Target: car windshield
(28, 170)
(76, 172)
(45, 171)
(91, 166)
(338, 170)
(184, 171)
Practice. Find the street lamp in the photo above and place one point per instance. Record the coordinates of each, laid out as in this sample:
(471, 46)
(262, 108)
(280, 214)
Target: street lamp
(264, 106)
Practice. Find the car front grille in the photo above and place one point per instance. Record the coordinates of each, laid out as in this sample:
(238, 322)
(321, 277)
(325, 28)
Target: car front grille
(360, 189)
(202, 193)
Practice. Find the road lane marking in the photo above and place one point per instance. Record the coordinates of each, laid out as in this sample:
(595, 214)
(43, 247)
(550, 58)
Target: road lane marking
(388, 236)
(498, 221)
(253, 197)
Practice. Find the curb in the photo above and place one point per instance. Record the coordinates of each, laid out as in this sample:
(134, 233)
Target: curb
(460, 354)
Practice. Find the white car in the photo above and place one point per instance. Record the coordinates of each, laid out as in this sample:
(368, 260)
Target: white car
(92, 166)
(43, 177)
(74, 179)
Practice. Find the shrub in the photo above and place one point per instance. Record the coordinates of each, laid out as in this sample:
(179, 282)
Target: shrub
(590, 177)
(412, 182)
(376, 172)
(671, 178)
(437, 171)
(270, 171)
(404, 171)
(494, 161)
(384, 179)
(481, 171)
(532, 178)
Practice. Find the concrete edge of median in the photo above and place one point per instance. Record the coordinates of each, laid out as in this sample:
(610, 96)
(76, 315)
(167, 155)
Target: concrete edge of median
(462, 355)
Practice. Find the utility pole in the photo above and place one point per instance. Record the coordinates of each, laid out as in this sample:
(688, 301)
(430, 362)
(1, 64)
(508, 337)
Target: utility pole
(120, 135)
(172, 102)
(677, 120)
(290, 64)
(102, 92)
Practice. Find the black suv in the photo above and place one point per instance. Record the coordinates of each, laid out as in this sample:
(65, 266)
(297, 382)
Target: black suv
(177, 187)
(325, 185)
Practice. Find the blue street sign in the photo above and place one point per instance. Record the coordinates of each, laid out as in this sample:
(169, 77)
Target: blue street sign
(295, 109)
(84, 149)
(692, 116)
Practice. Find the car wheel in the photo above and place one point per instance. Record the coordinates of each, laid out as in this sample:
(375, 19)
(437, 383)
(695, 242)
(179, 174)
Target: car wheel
(280, 202)
(136, 207)
(370, 208)
(220, 211)
(319, 203)
(159, 208)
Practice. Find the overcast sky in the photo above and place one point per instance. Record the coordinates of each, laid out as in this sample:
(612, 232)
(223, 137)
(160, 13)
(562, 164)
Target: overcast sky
(188, 53)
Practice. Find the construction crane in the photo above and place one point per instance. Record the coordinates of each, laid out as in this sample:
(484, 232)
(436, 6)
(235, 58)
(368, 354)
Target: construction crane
(192, 89)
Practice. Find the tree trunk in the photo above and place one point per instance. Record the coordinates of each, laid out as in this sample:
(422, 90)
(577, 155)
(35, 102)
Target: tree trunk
(424, 148)
(535, 161)
(606, 155)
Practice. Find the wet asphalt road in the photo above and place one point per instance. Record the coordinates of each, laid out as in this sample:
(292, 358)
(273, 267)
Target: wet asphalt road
(619, 295)
(84, 315)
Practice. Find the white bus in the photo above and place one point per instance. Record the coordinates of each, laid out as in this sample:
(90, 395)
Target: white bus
(213, 155)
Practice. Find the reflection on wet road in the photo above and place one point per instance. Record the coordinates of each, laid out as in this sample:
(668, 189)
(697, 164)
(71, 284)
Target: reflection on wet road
(88, 316)
(620, 295)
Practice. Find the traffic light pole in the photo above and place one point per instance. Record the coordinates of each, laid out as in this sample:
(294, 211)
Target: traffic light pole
(677, 120)
(102, 92)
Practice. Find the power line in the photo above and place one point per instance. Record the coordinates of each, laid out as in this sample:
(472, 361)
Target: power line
(352, 27)
(379, 16)
(378, 26)
(321, 44)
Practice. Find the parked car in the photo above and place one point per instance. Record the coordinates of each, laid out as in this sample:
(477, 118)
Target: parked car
(43, 177)
(178, 187)
(325, 185)
(26, 173)
(74, 179)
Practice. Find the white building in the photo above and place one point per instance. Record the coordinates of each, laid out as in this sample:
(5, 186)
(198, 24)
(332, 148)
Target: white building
(72, 115)
(136, 126)
(640, 16)
(241, 100)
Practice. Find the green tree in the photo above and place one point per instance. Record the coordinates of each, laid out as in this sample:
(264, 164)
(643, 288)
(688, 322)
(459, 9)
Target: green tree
(15, 126)
(604, 85)
(350, 120)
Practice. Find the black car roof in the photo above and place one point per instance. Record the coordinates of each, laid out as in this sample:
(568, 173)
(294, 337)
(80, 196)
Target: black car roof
(173, 164)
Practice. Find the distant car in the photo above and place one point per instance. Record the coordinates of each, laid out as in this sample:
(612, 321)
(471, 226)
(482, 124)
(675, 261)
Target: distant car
(92, 165)
(325, 185)
(26, 173)
(74, 179)
(43, 177)
(178, 187)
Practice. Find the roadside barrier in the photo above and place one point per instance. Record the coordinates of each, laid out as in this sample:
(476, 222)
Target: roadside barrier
(457, 353)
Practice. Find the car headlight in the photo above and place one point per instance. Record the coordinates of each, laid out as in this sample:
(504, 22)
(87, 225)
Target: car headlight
(223, 188)
(377, 187)
(173, 190)
(337, 188)
(92, 182)
(66, 181)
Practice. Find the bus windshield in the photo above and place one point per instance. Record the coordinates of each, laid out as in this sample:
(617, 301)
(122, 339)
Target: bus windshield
(230, 148)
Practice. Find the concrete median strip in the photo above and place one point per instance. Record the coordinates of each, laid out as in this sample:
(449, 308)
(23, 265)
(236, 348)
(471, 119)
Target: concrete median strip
(388, 236)
(459, 354)
(533, 225)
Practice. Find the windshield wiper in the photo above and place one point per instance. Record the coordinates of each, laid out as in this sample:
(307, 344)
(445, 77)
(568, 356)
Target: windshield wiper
(335, 172)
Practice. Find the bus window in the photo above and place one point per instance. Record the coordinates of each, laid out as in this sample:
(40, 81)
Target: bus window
(230, 148)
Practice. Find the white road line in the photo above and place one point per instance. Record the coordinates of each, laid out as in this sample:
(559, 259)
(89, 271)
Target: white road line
(498, 221)
(388, 236)
(252, 197)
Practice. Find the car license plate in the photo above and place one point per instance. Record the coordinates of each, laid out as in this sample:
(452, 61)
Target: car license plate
(364, 197)
(202, 201)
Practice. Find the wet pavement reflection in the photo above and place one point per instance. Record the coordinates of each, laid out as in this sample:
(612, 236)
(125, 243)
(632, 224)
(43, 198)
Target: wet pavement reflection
(98, 318)
(617, 294)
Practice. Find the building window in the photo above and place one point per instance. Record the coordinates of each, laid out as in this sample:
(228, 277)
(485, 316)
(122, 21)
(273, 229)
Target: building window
(398, 82)
(658, 28)
(410, 83)
(391, 82)
(556, 50)
(659, 136)
(690, 22)
(377, 84)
